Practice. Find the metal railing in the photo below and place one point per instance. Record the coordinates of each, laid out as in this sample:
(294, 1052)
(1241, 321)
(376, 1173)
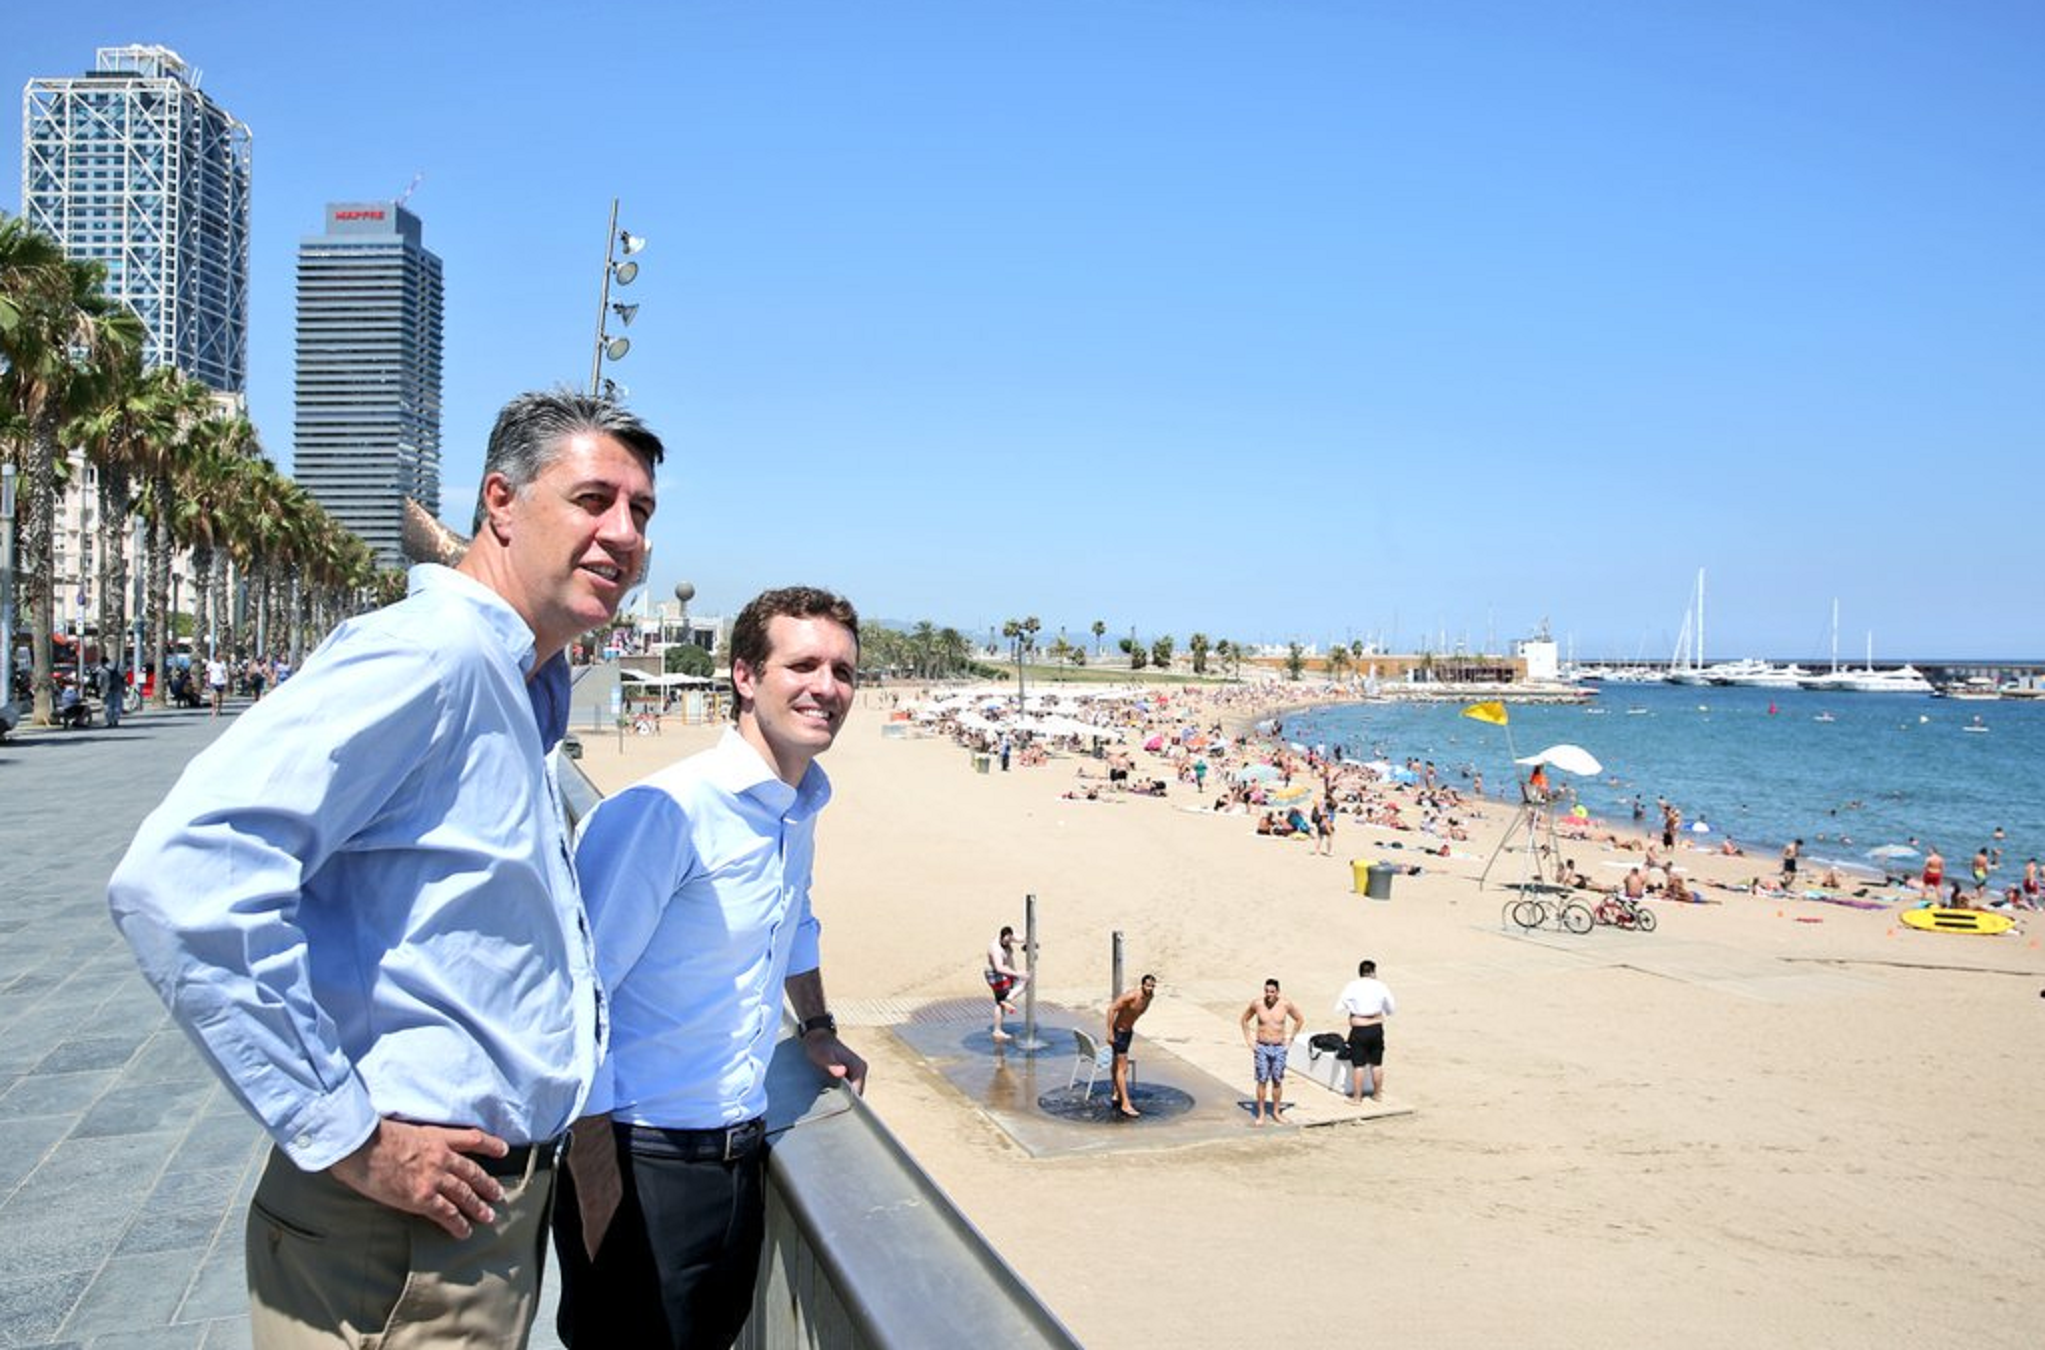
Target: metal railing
(863, 1250)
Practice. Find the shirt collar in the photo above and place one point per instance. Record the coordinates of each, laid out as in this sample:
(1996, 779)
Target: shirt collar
(740, 769)
(549, 689)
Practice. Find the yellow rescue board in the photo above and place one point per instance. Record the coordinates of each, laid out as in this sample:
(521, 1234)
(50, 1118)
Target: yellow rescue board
(1957, 920)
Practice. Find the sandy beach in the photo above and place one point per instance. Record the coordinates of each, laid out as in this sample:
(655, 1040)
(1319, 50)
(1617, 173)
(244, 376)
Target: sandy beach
(1770, 1122)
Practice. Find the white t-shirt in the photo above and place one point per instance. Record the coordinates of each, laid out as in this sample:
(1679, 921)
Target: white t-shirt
(216, 673)
(1365, 996)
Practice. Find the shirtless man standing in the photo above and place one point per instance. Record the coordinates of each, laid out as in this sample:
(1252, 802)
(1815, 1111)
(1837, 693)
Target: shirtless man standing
(1003, 977)
(1268, 1044)
(1122, 1015)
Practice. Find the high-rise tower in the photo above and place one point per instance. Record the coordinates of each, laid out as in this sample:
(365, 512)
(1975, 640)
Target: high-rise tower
(131, 166)
(367, 430)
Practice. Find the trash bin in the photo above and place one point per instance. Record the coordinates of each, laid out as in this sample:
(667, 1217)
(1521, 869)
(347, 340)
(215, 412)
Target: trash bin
(1359, 875)
(979, 763)
(1379, 887)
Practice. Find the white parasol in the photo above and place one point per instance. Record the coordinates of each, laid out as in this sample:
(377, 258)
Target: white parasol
(1568, 758)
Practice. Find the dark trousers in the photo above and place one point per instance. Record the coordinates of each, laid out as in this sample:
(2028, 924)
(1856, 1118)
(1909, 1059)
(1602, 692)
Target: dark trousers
(678, 1262)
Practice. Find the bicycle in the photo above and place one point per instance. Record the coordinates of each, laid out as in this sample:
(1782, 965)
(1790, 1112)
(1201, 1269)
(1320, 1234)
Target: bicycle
(1620, 912)
(1568, 914)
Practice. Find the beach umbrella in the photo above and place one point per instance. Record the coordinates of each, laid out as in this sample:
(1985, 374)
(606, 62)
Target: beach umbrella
(1288, 796)
(1258, 773)
(1568, 758)
(1699, 827)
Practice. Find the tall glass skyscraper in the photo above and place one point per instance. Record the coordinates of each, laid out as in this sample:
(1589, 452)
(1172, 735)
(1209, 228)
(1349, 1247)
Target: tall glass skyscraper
(131, 166)
(367, 430)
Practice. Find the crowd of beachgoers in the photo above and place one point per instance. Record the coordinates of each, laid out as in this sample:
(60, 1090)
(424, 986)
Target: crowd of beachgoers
(1226, 748)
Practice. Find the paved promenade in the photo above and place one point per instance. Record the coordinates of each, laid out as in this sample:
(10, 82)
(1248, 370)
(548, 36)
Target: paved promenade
(125, 1169)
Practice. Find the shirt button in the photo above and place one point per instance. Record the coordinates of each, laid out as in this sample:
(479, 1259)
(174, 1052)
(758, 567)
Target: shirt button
(303, 1141)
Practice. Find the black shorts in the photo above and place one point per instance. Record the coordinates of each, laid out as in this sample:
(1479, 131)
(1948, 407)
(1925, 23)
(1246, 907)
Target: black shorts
(1367, 1044)
(1121, 1041)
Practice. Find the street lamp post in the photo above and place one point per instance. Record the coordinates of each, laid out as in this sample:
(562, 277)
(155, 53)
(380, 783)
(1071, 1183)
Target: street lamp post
(6, 584)
(619, 246)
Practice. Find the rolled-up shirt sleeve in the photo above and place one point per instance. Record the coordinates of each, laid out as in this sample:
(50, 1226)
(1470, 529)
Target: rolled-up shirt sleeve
(212, 892)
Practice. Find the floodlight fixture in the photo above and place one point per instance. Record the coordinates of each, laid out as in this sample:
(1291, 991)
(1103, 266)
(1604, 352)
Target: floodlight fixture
(625, 313)
(615, 349)
(625, 272)
(629, 244)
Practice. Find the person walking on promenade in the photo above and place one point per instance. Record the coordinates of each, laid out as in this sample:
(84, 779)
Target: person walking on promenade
(359, 904)
(1368, 1002)
(216, 682)
(1004, 977)
(698, 887)
(1122, 1015)
(1268, 1044)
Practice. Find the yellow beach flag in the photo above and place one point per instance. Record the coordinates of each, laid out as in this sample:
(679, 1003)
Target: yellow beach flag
(1492, 712)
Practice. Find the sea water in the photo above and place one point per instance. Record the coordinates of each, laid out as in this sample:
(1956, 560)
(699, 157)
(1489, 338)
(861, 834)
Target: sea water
(1758, 765)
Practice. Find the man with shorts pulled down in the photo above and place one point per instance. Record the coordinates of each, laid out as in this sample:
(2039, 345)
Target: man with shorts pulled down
(698, 888)
(1368, 1003)
(1268, 1045)
(358, 902)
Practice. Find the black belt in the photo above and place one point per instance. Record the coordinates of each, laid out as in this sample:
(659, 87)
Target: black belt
(730, 1143)
(539, 1157)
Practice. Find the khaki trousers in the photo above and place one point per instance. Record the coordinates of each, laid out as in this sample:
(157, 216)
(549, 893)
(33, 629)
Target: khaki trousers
(329, 1267)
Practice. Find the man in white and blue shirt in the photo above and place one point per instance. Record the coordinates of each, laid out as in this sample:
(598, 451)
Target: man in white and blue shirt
(360, 905)
(698, 888)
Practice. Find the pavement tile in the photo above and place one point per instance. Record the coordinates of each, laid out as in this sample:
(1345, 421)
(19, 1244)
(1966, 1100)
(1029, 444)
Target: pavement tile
(24, 1143)
(132, 1293)
(159, 1338)
(161, 1228)
(230, 1333)
(220, 1141)
(54, 1094)
(54, 1239)
(143, 1108)
(89, 1052)
(221, 1289)
(104, 1169)
(32, 1309)
(166, 1057)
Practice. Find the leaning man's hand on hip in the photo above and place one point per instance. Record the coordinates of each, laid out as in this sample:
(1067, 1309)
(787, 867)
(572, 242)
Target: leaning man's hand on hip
(426, 1170)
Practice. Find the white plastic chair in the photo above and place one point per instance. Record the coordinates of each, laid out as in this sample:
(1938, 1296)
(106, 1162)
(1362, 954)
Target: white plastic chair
(1096, 1058)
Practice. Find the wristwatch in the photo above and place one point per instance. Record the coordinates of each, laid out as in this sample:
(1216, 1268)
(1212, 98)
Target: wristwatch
(821, 1022)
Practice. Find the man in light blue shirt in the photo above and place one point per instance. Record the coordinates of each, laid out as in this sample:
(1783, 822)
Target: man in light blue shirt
(698, 887)
(359, 904)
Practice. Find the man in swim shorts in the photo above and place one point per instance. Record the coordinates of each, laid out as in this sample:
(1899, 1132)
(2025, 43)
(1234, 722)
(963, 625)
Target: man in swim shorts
(1122, 1015)
(1003, 977)
(1267, 1046)
(1368, 1003)
(1790, 852)
(1934, 873)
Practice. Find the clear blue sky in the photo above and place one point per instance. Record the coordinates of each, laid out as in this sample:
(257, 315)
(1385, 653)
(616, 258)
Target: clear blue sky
(1272, 318)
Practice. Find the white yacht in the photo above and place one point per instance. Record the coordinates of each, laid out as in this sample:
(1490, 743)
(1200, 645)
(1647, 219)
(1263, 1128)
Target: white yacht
(1752, 674)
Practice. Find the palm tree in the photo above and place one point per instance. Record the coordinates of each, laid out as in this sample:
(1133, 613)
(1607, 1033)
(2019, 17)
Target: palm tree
(1161, 652)
(183, 403)
(1338, 661)
(1295, 660)
(116, 436)
(59, 335)
(209, 485)
(1100, 629)
(1198, 645)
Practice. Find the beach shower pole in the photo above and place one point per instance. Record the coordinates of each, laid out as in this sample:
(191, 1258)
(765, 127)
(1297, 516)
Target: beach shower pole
(1029, 1036)
(1116, 992)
